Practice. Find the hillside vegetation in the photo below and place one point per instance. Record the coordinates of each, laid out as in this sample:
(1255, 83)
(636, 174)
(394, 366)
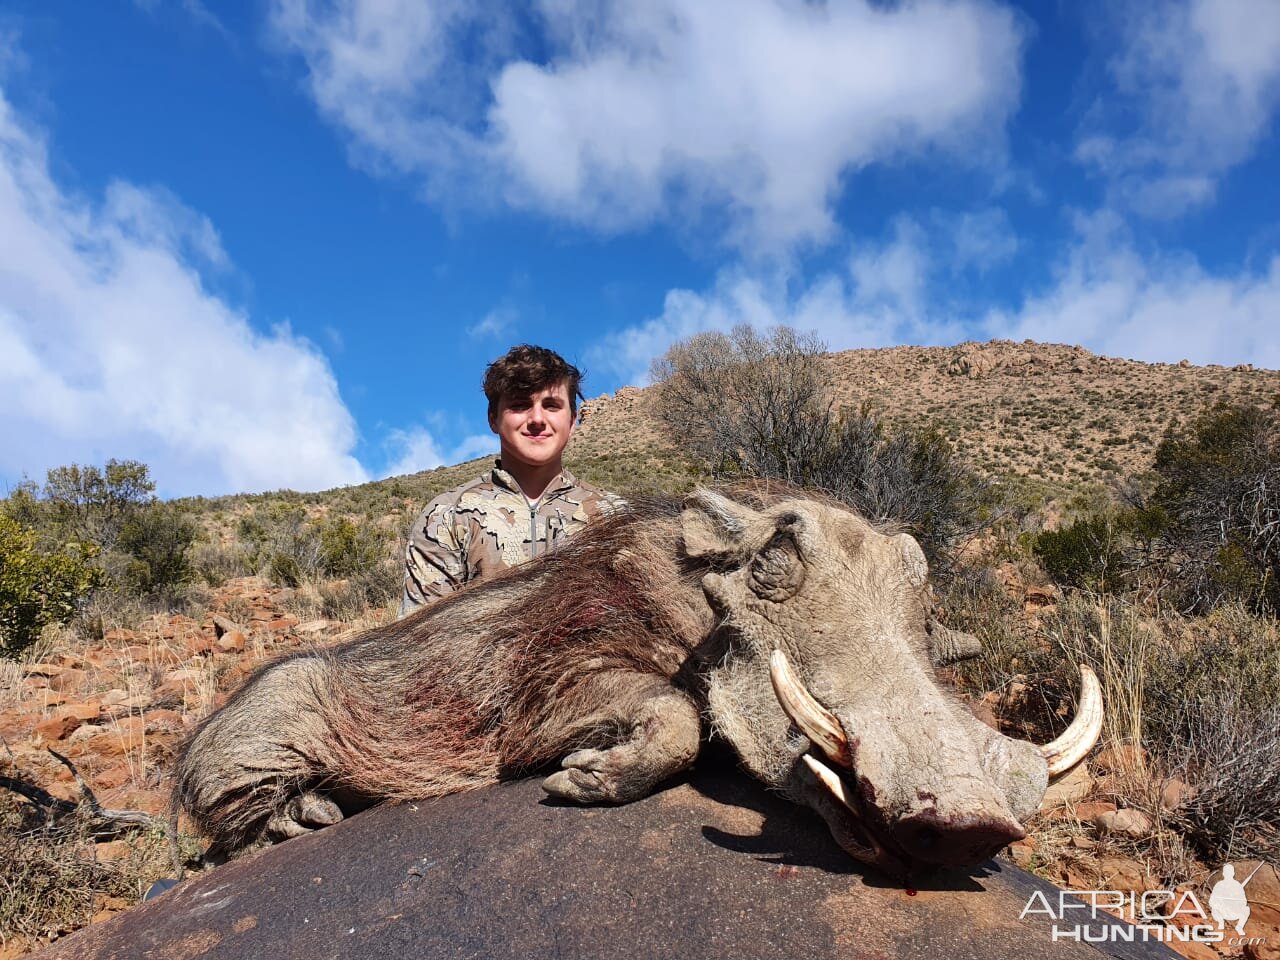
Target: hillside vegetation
(1075, 508)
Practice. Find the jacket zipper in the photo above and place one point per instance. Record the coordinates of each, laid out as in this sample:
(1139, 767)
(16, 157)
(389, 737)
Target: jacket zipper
(533, 531)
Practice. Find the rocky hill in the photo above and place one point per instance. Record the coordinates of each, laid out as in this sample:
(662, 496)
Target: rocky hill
(1044, 412)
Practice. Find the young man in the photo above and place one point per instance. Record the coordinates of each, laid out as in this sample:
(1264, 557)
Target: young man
(527, 504)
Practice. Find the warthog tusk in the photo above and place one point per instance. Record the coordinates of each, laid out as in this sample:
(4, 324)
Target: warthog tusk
(1078, 739)
(813, 719)
(829, 779)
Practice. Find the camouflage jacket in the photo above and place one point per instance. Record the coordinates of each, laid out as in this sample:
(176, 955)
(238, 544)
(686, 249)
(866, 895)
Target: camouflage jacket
(487, 525)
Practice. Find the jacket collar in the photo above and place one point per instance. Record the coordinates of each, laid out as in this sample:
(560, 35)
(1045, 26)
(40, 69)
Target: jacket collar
(562, 481)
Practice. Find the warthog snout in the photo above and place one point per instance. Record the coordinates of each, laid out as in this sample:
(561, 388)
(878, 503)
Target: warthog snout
(931, 837)
(922, 781)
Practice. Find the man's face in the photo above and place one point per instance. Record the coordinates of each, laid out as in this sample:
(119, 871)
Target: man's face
(534, 429)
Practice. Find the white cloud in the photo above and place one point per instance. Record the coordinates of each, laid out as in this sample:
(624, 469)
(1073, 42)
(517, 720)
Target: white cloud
(496, 324)
(111, 346)
(413, 450)
(748, 110)
(196, 10)
(979, 239)
(1108, 297)
(881, 300)
(1198, 85)
(1104, 295)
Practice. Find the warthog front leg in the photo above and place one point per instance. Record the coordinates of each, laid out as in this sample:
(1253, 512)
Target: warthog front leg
(659, 736)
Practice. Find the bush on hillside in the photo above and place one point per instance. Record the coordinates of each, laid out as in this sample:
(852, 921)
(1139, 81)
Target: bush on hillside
(38, 586)
(759, 406)
(1219, 486)
(1088, 553)
(157, 539)
(91, 505)
(749, 405)
(139, 544)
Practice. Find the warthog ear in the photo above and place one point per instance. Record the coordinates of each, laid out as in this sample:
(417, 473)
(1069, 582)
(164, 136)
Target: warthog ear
(914, 559)
(777, 571)
(713, 524)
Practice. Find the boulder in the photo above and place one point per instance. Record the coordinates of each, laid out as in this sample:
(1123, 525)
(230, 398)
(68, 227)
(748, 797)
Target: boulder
(712, 867)
(1264, 941)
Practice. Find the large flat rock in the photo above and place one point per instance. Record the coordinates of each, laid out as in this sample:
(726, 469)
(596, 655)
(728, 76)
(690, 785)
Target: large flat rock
(712, 867)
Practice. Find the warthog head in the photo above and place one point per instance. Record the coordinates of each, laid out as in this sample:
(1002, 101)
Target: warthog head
(828, 689)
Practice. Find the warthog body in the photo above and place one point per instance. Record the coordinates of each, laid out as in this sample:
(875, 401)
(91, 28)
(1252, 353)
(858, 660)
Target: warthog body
(615, 656)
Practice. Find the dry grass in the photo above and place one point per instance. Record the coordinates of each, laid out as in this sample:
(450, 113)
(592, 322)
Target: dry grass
(54, 879)
(1203, 696)
(10, 683)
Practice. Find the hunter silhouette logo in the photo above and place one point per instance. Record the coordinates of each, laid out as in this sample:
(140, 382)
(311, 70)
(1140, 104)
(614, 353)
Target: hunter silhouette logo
(1168, 916)
(1227, 902)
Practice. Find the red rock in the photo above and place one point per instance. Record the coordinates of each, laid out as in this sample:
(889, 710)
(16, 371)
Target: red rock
(122, 737)
(1075, 785)
(981, 710)
(112, 777)
(16, 724)
(1130, 823)
(233, 641)
(112, 850)
(67, 719)
(1122, 873)
(1174, 793)
(316, 626)
(1040, 596)
(42, 669)
(163, 721)
(87, 712)
(1089, 809)
(68, 679)
(17, 947)
(1268, 935)
(134, 798)
(197, 644)
(222, 624)
(1021, 851)
(57, 727)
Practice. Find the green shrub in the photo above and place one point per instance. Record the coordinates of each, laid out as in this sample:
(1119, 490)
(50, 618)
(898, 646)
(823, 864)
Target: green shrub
(157, 539)
(38, 586)
(1219, 488)
(347, 548)
(1086, 553)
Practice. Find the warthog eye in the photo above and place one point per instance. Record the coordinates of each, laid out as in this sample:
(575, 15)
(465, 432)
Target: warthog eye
(777, 571)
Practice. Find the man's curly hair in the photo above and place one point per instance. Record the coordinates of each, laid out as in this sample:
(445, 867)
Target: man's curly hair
(526, 369)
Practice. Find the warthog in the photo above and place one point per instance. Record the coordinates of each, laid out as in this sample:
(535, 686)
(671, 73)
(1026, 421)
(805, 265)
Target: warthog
(788, 626)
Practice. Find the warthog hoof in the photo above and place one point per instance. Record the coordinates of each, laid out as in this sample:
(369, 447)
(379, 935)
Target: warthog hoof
(304, 813)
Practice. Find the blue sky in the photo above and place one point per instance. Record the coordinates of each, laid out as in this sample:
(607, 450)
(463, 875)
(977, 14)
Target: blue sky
(273, 243)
